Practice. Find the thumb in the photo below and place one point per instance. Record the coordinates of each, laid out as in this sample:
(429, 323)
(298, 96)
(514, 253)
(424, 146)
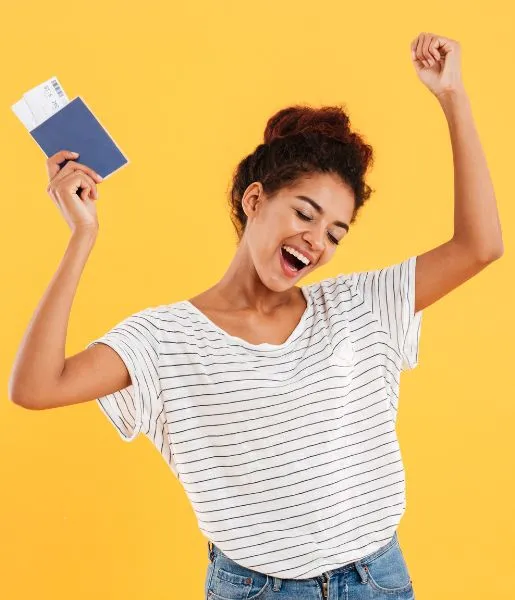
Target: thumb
(57, 162)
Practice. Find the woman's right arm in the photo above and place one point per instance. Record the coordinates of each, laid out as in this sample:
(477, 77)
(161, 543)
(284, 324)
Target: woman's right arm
(41, 376)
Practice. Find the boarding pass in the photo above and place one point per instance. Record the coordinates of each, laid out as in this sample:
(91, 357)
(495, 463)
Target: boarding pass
(40, 103)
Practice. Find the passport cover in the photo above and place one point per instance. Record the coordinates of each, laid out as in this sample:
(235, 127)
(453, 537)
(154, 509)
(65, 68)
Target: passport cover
(74, 127)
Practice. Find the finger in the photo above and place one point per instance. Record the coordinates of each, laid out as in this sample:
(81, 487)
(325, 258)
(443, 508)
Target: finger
(434, 50)
(54, 197)
(413, 48)
(52, 162)
(92, 191)
(420, 50)
(87, 186)
(72, 166)
(89, 171)
(425, 50)
(86, 193)
(443, 45)
(72, 181)
(65, 189)
(416, 44)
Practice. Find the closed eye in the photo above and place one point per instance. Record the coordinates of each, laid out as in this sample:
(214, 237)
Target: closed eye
(306, 218)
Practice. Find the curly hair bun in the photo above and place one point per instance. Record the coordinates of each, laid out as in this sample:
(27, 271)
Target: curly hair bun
(331, 121)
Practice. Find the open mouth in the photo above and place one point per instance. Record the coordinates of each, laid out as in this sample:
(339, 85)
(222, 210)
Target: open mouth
(293, 263)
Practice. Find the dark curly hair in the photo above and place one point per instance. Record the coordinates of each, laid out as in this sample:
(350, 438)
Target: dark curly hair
(300, 140)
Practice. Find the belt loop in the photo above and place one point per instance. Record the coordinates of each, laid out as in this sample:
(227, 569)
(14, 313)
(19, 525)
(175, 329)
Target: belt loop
(277, 584)
(362, 570)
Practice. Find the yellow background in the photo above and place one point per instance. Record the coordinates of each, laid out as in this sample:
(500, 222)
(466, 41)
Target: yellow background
(185, 89)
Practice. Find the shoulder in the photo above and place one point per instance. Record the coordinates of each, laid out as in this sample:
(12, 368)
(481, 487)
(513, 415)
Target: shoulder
(177, 322)
(164, 314)
(372, 281)
(332, 288)
(332, 297)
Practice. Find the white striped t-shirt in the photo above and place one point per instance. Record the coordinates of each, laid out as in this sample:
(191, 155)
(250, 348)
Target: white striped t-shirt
(287, 452)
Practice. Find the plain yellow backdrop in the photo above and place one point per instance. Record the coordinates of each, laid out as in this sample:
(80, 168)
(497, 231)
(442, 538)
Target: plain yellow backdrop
(186, 89)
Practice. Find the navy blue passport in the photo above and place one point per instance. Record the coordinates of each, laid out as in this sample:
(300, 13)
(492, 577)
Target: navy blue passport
(74, 127)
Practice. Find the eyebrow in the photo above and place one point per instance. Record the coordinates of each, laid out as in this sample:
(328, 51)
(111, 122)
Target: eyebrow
(320, 211)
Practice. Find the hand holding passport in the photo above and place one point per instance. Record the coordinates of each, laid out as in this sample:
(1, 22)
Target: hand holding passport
(58, 124)
(77, 207)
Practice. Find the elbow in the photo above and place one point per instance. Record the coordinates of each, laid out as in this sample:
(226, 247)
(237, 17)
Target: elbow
(485, 256)
(18, 400)
(18, 397)
(494, 254)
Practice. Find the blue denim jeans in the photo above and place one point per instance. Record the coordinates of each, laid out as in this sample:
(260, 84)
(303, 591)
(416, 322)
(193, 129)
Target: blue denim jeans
(382, 574)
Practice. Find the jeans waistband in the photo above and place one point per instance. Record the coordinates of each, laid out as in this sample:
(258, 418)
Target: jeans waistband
(213, 550)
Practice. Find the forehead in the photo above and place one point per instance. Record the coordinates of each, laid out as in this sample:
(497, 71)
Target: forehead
(328, 190)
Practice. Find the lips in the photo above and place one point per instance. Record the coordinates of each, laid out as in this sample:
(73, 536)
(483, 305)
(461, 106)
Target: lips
(304, 252)
(286, 268)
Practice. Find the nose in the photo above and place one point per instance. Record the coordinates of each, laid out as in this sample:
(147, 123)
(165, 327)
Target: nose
(315, 240)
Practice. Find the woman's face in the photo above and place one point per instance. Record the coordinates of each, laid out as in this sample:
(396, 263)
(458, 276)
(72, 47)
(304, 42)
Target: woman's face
(287, 220)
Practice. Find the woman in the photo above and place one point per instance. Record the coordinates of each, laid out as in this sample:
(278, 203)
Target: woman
(274, 404)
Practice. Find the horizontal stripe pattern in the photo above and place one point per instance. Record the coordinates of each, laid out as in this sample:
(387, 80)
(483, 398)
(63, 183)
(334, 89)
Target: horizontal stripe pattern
(287, 452)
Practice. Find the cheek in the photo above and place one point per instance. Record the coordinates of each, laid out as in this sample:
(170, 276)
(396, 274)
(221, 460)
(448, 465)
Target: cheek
(290, 226)
(327, 255)
(280, 228)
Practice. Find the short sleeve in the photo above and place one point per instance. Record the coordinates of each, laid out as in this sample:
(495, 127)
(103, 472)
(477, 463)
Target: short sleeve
(390, 295)
(135, 408)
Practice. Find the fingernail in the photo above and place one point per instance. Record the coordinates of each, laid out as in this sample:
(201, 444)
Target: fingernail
(100, 178)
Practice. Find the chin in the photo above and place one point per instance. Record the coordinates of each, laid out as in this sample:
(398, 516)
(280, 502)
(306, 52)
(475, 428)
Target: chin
(280, 284)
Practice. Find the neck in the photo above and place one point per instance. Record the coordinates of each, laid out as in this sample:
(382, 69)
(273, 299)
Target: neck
(242, 289)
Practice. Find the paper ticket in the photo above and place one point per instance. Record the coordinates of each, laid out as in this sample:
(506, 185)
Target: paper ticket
(40, 103)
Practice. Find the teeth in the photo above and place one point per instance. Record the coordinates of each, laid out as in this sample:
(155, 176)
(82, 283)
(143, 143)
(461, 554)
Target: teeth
(298, 255)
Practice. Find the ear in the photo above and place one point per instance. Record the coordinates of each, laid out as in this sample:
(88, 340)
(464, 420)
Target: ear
(252, 199)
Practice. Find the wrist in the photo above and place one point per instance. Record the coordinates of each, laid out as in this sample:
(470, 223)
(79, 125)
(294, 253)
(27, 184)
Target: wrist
(454, 102)
(85, 234)
(452, 95)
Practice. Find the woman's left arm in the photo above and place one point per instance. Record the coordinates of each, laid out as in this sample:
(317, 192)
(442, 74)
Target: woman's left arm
(477, 239)
(476, 219)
